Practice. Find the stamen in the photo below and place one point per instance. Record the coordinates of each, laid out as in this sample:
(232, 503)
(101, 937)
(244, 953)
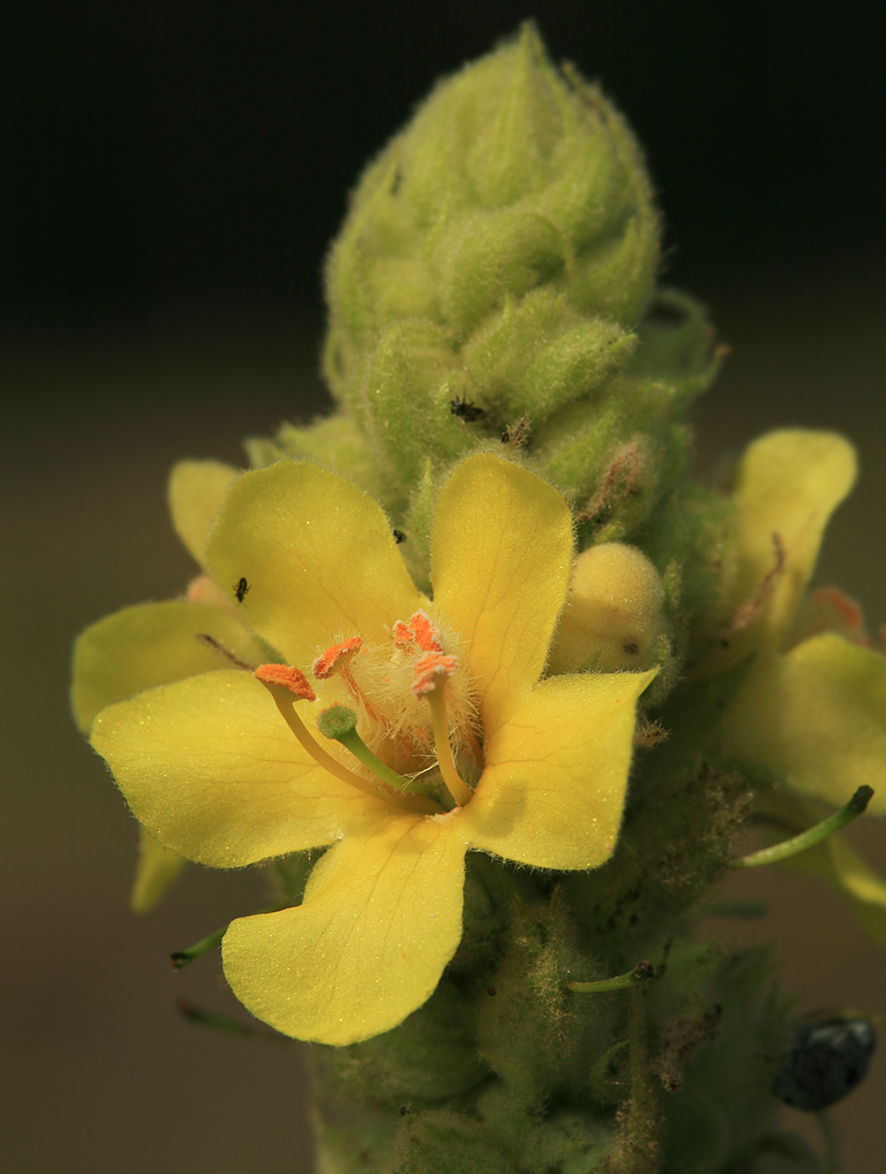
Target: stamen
(336, 661)
(402, 635)
(429, 669)
(286, 684)
(336, 658)
(847, 608)
(420, 630)
(431, 672)
(287, 677)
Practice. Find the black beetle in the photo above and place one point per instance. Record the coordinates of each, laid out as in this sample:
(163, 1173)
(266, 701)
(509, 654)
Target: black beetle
(465, 411)
(826, 1061)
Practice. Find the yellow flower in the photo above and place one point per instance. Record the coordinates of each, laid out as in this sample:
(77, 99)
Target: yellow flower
(811, 711)
(474, 749)
(157, 643)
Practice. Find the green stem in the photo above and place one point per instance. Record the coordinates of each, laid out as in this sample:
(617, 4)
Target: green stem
(831, 1143)
(640, 1140)
(641, 973)
(182, 958)
(206, 1018)
(808, 839)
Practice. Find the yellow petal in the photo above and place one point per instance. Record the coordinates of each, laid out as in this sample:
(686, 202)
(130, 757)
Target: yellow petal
(318, 557)
(196, 492)
(501, 557)
(380, 920)
(789, 484)
(816, 719)
(554, 787)
(157, 869)
(147, 645)
(212, 771)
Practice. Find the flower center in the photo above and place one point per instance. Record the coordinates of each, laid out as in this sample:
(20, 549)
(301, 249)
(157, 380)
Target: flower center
(396, 710)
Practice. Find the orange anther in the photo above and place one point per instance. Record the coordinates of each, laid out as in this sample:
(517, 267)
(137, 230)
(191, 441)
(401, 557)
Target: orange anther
(288, 677)
(420, 630)
(429, 668)
(334, 659)
(402, 635)
(426, 632)
(845, 607)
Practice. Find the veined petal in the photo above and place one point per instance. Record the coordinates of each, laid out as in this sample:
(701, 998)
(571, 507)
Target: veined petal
(196, 492)
(501, 558)
(157, 869)
(318, 556)
(148, 645)
(789, 484)
(213, 772)
(556, 775)
(816, 719)
(382, 916)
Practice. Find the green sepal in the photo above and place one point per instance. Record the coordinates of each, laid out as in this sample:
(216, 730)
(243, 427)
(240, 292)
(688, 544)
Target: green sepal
(429, 1059)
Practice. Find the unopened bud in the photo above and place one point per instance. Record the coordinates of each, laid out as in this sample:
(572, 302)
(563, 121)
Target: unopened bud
(614, 619)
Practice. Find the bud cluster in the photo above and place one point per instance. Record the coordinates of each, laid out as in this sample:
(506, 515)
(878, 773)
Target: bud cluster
(494, 287)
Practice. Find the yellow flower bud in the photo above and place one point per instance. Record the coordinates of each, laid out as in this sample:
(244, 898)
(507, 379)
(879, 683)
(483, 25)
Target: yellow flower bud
(614, 618)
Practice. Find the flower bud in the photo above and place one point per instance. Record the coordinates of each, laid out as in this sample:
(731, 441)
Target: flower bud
(513, 175)
(495, 279)
(614, 618)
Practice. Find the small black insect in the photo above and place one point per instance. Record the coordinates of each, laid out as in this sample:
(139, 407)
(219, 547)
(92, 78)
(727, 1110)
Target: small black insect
(826, 1061)
(399, 536)
(465, 411)
(241, 590)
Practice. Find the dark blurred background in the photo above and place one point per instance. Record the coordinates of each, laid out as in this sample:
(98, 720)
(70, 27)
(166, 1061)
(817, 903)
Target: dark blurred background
(171, 176)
